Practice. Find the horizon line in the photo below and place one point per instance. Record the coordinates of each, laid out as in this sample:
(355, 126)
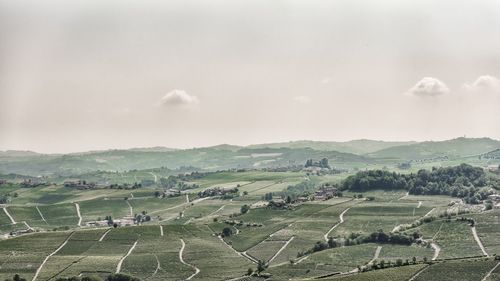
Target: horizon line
(237, 145)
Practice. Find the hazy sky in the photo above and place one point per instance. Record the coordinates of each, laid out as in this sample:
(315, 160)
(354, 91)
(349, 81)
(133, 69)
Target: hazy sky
(82, 75)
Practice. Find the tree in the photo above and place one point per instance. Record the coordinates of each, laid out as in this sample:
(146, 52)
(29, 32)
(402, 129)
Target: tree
(331, 243)
(17, 277)
(109, 219)
(245, 192)
(244, 209)
(414, 259)
(261, 266)
(227, 232)
(249, 271)
(323, 163)
(91, 278)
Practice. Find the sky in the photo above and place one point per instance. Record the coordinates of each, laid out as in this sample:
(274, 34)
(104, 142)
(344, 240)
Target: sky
(93, 74)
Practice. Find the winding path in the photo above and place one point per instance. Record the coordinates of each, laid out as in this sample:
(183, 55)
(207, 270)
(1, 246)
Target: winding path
(337, 224)
(281, 249)
(10, 217)
(119, 265)
(79, 214)
(252, 259)
(301, 259)
(39, 269)
(403, 197)
(27, 225)
(437, 249)
(428, 213)
(241, 254)
(479, 243)
(40, 213)
(237, 230)
(490, 272)
(375, 256)
(156, 178)
(104, 235)
(216, 211)
(180, 205)
(197, 270)
(418, 273)
(130, 208)
(158, 266)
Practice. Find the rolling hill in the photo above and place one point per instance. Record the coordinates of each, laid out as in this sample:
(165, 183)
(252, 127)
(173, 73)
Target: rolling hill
(362, 146)
(455, 148)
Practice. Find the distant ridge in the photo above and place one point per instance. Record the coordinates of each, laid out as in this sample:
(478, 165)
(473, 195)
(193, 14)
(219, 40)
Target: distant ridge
(459, 147)
(361, 146)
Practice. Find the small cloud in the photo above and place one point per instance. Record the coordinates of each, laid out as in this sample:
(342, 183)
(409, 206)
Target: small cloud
(302, 99)
(484, 83)
(178, 98)
(429, 87)
(326, 80)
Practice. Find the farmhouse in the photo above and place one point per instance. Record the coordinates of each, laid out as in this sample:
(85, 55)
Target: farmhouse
(302, 199)
(125, 221)
(217, 191)
(20, 231)
(171, 192)
(277, 204)
(325, 193)
(492, 168)
(32, 183)
(494, 197)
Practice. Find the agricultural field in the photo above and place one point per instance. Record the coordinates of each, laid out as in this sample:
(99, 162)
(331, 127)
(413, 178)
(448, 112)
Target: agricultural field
(182, 239)
(399, 273)
(457, 270)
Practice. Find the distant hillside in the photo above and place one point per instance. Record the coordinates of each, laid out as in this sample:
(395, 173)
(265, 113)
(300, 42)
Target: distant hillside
(209, 158)
(358, 153)
(355, 146)
(495, 154)
(459, 147)
(17, 153)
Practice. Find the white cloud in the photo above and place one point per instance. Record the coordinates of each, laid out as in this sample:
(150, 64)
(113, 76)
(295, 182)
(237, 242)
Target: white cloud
(326, 80)
(429, 87)
(302, 99)
(178, 98)
(484, 83)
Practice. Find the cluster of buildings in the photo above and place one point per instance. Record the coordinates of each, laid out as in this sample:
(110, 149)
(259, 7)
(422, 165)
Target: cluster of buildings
(18, 232)
(493, 168)
(2, 181)
(325, 193)
(171, 193)
(79, 184)
(125, 221)
(32, 183)
(217, 191)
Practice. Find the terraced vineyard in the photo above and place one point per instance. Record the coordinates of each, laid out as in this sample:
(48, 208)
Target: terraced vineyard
(183, 237)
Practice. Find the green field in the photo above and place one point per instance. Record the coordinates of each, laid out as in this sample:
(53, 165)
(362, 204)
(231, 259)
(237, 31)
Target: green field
(181, 238)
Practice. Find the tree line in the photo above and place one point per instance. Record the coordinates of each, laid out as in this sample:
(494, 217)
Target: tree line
(463, 181)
